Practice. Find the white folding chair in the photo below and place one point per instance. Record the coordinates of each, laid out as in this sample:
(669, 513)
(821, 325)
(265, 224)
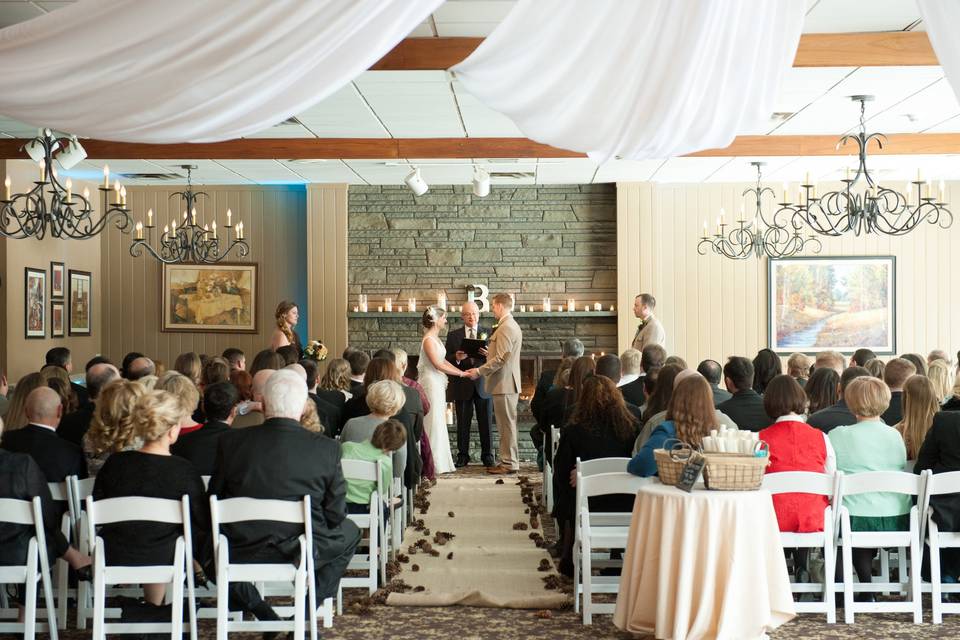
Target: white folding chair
(35, 568)
(937, 485)
(142, 509)
(80, 490)
(397, 518)
(60, 492)
(821, 484)
(548, 456)
(889, 482)
(599, 531)
(299, 576)
(369, 562)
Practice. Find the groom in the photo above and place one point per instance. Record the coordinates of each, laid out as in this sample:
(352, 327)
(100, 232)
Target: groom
(469, 394)
(501, 376)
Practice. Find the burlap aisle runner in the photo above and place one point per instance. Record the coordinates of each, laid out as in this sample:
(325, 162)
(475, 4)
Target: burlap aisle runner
(493, 564)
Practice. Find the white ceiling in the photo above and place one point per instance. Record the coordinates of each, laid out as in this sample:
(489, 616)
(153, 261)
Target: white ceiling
(432, 104)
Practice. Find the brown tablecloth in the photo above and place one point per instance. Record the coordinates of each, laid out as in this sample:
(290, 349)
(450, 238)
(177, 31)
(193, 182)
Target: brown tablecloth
(707, 564)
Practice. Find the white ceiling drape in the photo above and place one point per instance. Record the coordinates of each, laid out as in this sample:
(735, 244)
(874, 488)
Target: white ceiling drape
(940, 19)
(168, 71)
(651, 79)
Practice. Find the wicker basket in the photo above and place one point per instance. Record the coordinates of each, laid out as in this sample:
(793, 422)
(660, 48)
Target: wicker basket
(734, 471)
(668, 469)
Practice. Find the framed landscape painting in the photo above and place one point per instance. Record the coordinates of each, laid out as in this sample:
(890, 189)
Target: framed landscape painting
(56, 319)
(835, 303)
(210, 298)
(81, 303)
(34, 303)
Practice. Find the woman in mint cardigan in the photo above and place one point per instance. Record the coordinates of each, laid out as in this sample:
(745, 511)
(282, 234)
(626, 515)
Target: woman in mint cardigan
(870, 445)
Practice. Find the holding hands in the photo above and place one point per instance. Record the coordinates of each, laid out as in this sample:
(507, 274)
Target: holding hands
(473, 374)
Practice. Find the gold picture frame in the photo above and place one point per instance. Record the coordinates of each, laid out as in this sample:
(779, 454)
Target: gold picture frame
(202, 298)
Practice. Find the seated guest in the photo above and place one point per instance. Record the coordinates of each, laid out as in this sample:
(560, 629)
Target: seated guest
(917, 361)
(214, 371)
(384, 399)
(939, 373)
(659, 400)
(125, 363)
(940, 452)
(561, 376)
(953, 402)
(560, 402)
(837, 414)
(58, 380)
(337, 378)
(677, 360)
(630, 369)
(870, 445)
(690, 417)
(56, 457)
(600, 427)
(895, 374)
(656, 419)
(328, 412)
(920, 404)
(75, 425)
(358, 361)
(267, 359)
(876, 367)
(247, 466)
(388, 437)
(16, 415)
(745, 408)
(251, 413)
(822, 389)
(766, 366)
(609, 367)
(111, 428)
(861, 357)
(142, 368)
(652, 359)
(713, 372)
(152, 472)
(184, 390)
(400, 360)
(190, 365)
(200, 446)
(61, 357)
(290, 353)
(243, 381)
(235, 358)
(938, 354)
(795, 446)
(831, 359)
(798, 367)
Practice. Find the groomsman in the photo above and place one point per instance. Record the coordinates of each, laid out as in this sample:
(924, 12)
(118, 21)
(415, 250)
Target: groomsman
(649, 331)
(469, 395)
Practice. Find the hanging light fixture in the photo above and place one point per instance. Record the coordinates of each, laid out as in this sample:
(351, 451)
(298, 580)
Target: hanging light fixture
(191, 242)
(759, 236)
(876, 209)
(51, 206)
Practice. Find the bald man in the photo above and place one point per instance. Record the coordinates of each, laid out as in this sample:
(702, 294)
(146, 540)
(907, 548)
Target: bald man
(56, 457)
(141, 368)
(75, 424)
(468, 395)
(253, 411)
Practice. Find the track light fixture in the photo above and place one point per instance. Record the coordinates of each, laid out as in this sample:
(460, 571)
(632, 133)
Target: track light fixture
(416, 183)
(481, 183)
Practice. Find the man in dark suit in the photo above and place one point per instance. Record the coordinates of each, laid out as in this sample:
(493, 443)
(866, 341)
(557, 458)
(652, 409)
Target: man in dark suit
(469, 395)
(76, 423)
(571, 348)
(358, 361)
(837, 415)
(712, 371)
(609, 366)
(745, 407)
(200, 446)
(56, 457)
(281, 460)
(329, 403)
(651, 358)
(60, 357)
(895, 374)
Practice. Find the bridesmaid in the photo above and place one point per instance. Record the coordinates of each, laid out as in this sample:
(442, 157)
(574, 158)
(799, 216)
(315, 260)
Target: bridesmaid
(287, 315)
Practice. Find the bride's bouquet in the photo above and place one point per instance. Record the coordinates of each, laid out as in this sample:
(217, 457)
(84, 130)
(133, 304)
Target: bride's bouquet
(315, 350)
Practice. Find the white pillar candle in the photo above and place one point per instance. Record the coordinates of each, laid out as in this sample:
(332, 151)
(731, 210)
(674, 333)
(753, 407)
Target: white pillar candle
(400, 308)
(612, 309)
(523, 308)
(412, 304)
(379, 309)
(597, 306)
(546, 304)
(356, 309)
(571, 304)
(388, 304)
(586, 307)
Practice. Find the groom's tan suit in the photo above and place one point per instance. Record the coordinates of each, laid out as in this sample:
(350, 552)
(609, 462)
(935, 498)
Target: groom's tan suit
(501, 376)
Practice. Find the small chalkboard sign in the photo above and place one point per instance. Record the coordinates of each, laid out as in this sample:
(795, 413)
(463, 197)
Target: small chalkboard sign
(691, 472)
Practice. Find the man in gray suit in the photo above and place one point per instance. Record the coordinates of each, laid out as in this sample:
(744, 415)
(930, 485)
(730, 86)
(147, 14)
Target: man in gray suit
(501, 375)
(649, 331)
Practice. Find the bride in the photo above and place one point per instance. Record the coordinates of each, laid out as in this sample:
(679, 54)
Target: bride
(433, 370)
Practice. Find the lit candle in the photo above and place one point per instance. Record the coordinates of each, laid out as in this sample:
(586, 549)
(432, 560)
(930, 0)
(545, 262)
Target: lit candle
(43, 171)
(214, 227)
(546, 304)
(356, 309)
(106, 176)
(240, 224)
(86, 194)
(193, 216)
(941, 190)
(363, 303)
(785, 198)
(173, 227)
(704, 228)
(149, 217)
(741, 218)
(807, 178)
(184, 217)
(166, 229)
(612, 308)
(123, 196)
(379, 309)
(929, 188)
(412, 304)
(442, 300)
(586, 307)
(116, 186)
(919, 176)
(388, 304)
(229, 215)
(140, 230)
(597, 306)
(206, 230)
(523, 308)
(848, 173)
(909, 190)
(571, 304)
(69, 185)
(6, 188)
(722, 214)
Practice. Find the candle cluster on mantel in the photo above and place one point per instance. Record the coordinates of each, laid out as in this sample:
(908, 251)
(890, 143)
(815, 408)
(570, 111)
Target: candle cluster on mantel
(389, 305)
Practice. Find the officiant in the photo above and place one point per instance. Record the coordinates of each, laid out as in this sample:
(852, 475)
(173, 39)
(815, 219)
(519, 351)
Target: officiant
(468, 395)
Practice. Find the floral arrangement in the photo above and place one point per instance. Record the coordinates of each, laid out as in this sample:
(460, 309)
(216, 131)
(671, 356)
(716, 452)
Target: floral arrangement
(315, 350)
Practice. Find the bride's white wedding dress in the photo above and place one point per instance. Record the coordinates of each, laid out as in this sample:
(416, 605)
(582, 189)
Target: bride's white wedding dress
(434, 383)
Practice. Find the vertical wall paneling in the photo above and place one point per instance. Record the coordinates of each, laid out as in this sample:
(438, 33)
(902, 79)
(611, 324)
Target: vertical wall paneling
(327, 264)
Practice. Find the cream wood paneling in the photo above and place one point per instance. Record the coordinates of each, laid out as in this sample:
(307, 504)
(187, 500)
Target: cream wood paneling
(712, 307)
(327, 264)
(275, 225)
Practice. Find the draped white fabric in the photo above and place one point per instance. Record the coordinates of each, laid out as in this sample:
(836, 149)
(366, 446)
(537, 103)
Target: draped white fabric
(190, 70)
(631, 79)
(940, 19)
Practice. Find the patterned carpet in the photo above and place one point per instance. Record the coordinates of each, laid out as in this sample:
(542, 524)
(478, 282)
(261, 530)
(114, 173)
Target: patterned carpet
(469, 623)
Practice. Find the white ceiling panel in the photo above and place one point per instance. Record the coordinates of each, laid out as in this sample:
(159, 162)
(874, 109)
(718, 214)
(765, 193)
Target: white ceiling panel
(262, 171)
(474, 18)
(566, 171)
(480, 120)
(688, 169)
(927, 108)
(14, 129)
(423, 30)
(627, 170)
(740, 169)
(379, 171)
(14, 12)
(284, 131)
(345, 114)
(839, 16)
(417, 104)
(328, 171)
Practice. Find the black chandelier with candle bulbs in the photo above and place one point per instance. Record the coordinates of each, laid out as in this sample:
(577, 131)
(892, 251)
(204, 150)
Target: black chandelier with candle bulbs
(51, 207)
(759, 236)
(191, 242)
(877, 209)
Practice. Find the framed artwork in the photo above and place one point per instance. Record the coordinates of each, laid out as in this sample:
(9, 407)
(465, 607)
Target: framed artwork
(81, 303)
(56, 279)
(219, 298)
(34, 303)
(836, 303)
(56, 319)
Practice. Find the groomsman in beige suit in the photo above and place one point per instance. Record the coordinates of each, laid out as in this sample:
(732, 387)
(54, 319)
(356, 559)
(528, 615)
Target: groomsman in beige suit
(501, 375)
(650, 331)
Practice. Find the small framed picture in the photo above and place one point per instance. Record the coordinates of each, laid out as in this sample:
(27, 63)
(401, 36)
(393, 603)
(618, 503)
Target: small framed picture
(57, 274)
(80, 296)
(34, 303)
(56, 319)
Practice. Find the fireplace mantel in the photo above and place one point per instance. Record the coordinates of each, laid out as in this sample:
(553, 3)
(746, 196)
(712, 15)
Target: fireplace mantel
(559, 315)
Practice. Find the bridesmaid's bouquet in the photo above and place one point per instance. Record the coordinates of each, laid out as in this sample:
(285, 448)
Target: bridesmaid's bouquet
(315, 351)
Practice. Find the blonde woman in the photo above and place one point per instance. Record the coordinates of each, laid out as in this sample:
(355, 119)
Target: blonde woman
(337, 378)
(186, 393)
(287, 315)
(920, 403)
(111, 428)
(939, 374)
(798, 367)
(384, 399)
(152, 472)
(190, 365)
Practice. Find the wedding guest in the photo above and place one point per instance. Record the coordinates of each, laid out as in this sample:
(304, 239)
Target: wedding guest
(328, 404)
(822, 389)
(189, 365)
(337, 379)
(215, 371)
(659, 400)
(152, 472)
(938, 354)
(388, 437)
(861, 357)
(560, 402)
(953, 402)
(713, 372)
(127, 359)
(570, 350)
(870, 445)
(798, 367)
(61, 357)
(111, 429)
(141, 368)
(235, 358)
(630, 368)
(267, 359)
(16, 416)
(609, 367)
(400, 361)
(837, 414)
(690, 416)
(656, 419)
(940, 452)
(251, 414)
(56, 457)
(832, 359)
(745, 408)
(186, 393)
(875, 367)
(920, 404)
(358, 360)
(74, 425)
(4, 392)
(57, 382)
(766, 366)
(286, 315)
(676, 360)
(649, 330)
(538, 433)
(895, 374)
(652, 359)
(220, 402)
(243, 381)
(917, 361)
(939, 374)
(600, 427)
(289, 353)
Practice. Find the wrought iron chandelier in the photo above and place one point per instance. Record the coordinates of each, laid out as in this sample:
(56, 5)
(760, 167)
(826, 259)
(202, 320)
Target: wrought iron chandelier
(758, 237)
(51, 206)
(192, 241)
(877, 209)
